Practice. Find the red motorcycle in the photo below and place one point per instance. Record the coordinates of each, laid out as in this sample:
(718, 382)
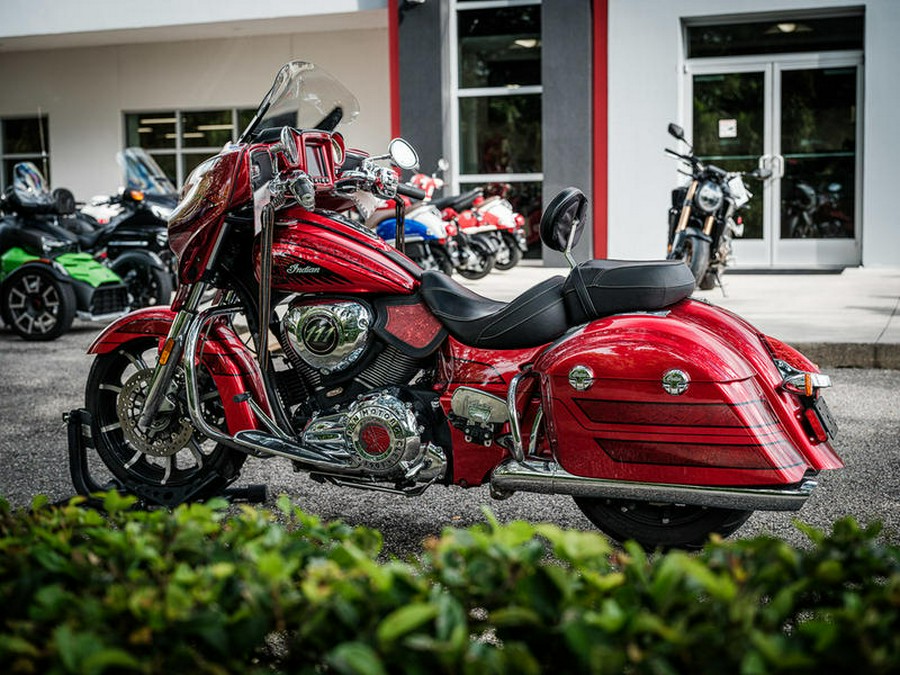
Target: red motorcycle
(665, 418)
(489, 218)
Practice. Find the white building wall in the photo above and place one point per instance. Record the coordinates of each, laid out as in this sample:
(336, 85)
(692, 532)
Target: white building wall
(85, 91)
(646, 80)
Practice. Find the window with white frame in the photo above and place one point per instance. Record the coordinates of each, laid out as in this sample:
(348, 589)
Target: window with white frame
(496, 83)
(23, 139)
(180, 139)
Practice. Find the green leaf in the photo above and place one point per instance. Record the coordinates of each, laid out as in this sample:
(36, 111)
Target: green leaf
(405, 620)
(356, 658)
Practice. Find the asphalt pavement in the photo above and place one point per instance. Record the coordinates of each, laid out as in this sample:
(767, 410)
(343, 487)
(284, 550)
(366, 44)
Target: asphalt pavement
(858, 307)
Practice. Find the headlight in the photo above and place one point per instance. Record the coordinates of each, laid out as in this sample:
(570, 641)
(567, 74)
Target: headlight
(709, 197)
(161, 212)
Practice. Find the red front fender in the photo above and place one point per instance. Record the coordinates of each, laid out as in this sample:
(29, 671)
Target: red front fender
(232, 367)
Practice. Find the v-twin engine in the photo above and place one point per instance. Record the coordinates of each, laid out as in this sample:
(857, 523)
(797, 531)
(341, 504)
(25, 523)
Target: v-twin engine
(381, 436)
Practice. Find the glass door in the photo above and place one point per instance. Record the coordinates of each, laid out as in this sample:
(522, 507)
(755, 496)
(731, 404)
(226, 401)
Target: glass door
(799, 116)
(816, 155)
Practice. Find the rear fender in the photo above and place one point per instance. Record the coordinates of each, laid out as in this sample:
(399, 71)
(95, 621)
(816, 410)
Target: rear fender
(232, 367)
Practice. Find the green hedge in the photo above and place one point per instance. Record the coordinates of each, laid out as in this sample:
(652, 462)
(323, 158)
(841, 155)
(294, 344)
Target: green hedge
(201, 590)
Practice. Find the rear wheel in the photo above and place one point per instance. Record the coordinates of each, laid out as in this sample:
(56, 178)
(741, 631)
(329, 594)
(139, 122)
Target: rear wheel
(509, 255)
(442, 260)
(660, 525)
(479, 261)
(37, 305)
(169, 462)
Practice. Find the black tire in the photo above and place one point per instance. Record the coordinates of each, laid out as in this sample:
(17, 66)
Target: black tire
(708, 282)
(513, 258)
(482, 262)
(167, 472)
(442, 260)
(660, 526)
(147, 285)
(695, 253)
(36, 305)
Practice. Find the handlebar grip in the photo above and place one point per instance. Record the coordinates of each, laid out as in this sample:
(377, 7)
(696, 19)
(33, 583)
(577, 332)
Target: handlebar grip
(411, 192)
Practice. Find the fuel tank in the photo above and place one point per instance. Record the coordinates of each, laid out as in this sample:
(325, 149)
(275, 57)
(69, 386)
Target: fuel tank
(684, 396)
(315, 253)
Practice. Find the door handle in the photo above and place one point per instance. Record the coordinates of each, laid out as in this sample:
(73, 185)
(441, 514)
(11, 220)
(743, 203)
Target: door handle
(778, 166)
(765, 162)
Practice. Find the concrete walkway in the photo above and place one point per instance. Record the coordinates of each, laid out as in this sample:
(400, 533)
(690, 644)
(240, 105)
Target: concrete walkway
(845, 319)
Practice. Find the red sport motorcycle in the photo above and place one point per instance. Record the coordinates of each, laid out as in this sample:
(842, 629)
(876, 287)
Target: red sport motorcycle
(665, 418)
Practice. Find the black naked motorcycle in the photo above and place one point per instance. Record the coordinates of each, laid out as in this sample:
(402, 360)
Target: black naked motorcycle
(702, 218)
(128, 231)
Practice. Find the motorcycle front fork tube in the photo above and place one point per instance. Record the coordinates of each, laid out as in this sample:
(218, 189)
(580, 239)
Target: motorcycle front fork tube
(708, 225)
(168, 359)
(686, 207)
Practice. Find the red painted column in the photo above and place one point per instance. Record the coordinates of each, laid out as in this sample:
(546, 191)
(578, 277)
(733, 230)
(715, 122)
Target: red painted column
(394, 64)
(601, 127)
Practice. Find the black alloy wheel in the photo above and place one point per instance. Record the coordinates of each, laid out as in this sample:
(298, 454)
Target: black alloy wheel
(170, 457)
(37, 305)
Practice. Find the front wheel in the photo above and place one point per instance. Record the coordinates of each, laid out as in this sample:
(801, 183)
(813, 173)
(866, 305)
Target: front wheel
(169, 461)
(37, 305)
(147, 284)
(660, 525)
(695, 254)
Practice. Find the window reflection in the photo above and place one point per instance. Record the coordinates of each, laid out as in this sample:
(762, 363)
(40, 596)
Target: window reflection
(500, 47)
(500, 134)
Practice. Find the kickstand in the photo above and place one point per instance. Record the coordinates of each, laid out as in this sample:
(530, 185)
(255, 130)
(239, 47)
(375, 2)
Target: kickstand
(80, 439)
(720, 283)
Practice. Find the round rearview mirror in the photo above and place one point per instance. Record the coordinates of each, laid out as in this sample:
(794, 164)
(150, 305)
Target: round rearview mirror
(403, 154)
(289, 146)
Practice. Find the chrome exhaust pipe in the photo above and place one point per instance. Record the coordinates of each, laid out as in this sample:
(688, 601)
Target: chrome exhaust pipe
(550, 478)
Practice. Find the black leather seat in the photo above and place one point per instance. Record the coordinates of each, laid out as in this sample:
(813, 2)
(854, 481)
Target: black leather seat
(536, 317)
(458, 202)
(601, 287)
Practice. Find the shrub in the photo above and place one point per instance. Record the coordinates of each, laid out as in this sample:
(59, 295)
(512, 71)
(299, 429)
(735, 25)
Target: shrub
(203, 589)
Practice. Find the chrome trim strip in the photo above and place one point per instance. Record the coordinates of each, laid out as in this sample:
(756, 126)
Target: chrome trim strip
(550, 478)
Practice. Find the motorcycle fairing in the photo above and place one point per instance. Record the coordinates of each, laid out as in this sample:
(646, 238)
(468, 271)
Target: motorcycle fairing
(731, 426)
(225, 356)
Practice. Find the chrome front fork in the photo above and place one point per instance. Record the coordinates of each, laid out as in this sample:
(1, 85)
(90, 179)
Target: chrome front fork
(170, 356)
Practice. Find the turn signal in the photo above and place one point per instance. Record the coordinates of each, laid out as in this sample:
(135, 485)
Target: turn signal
(166, 351)
(137, 195)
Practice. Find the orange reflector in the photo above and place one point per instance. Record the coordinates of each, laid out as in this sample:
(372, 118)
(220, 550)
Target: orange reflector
(808, 384)
(166, 351)
(137, 195)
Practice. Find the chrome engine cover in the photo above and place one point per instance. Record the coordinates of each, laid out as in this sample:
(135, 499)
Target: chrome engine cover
(328, 335)
(383, 436)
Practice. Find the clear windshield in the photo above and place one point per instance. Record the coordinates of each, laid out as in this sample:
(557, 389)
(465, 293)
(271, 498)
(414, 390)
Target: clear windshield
(143, 173)
(304, 96)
